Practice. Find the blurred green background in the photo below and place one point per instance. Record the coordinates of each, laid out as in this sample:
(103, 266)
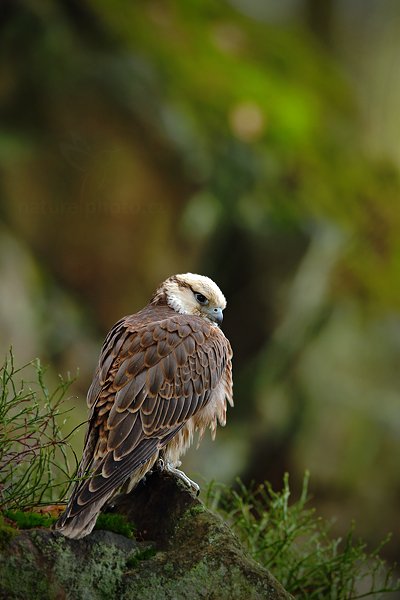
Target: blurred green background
(253, 141)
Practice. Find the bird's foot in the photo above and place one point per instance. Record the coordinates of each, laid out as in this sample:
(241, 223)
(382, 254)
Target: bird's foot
(167, 466)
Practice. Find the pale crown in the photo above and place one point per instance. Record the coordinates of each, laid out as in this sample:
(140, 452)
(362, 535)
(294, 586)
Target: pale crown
(193, 294)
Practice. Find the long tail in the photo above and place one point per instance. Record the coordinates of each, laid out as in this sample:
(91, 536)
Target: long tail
(77, 520)
(78, 525)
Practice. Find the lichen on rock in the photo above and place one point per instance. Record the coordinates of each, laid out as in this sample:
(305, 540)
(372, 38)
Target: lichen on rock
(182, 551)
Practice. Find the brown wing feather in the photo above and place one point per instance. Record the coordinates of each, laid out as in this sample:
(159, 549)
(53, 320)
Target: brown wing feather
(151, 379)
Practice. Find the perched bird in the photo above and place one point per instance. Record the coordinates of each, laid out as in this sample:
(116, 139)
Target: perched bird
(164, 373)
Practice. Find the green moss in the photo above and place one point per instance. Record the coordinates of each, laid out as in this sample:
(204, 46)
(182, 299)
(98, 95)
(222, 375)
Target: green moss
(116, 523)
(93, 572)
(23, 580)
(97, 577)
(6, 533)
(196, 510)
(203, 580)
(29, 520)
(145, 554)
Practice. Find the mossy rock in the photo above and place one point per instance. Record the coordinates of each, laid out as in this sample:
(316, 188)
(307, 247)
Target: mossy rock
(6, 533)
(185, 551)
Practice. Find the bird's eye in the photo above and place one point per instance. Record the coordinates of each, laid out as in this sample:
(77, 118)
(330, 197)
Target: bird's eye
(201, 299)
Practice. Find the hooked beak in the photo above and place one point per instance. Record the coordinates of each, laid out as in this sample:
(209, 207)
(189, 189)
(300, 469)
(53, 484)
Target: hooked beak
(216, 315)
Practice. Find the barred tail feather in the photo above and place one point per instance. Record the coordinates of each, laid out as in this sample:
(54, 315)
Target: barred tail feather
(76, 522)
(81, 524)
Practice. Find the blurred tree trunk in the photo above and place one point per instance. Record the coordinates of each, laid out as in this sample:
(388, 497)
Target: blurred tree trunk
(320, 18)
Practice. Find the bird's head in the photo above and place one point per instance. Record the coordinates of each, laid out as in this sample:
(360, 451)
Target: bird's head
(192, 294)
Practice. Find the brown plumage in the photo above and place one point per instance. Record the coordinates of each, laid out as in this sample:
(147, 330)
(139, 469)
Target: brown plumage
(164, 373)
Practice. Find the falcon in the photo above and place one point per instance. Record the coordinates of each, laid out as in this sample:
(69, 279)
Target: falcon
(163, 374)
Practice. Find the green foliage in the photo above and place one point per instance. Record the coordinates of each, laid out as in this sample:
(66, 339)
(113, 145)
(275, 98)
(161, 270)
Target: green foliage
(28, 519)
(116, 523)
(33, 451)
(295, 544)
(266, 127)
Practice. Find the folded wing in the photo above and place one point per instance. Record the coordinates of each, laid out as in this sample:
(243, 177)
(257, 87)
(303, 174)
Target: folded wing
(150, 380)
